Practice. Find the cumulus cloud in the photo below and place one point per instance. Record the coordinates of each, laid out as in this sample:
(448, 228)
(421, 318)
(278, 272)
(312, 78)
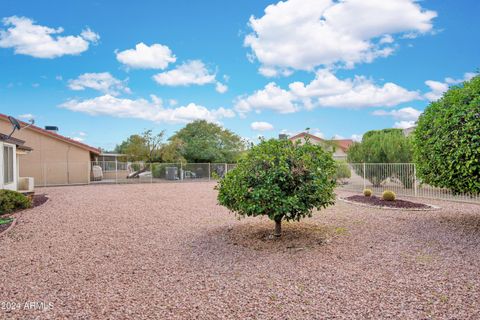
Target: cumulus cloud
(26, 116)
(220, 87)
(271, 97)
(190, 72)
(304, 34)
(156, 56)
(103, 82)
(404, 124)
(261, 126)
(28, 38)
(408, 113)
(152, 110)
(437, 88)
(326, 90)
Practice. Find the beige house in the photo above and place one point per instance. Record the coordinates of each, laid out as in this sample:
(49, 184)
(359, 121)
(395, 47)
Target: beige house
(339, 147)
(55, 159)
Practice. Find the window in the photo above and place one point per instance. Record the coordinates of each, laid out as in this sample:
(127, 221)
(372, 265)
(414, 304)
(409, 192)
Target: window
(7, 164)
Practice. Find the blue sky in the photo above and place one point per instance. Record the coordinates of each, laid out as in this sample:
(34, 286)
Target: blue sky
(257, 67)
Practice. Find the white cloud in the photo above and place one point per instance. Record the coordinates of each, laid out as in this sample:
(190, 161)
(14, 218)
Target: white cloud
(261, 126)
(26, 116)
(356, 137)
(156, 56)
(188, 73)
(437, 88)
(326, 90)
(271, 97)
(338, 137)
(78, 139)
(304, 34)
(408, 113)
(103, 82)
(220, 87)
(152, 110)
(404, 124)
(28, 38)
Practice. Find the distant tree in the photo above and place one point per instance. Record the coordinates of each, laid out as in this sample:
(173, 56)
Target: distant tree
(281, 180)
(383, 146)
(143, 147)
(208, 142)
(172, 152)
(447, 140)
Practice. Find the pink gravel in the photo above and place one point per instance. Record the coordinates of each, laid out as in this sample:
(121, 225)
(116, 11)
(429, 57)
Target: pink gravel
(165, 251)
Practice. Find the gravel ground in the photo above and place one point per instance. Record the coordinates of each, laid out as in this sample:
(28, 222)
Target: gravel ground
(167, 251)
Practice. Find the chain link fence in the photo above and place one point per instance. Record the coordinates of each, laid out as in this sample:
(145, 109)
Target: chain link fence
(400, 178)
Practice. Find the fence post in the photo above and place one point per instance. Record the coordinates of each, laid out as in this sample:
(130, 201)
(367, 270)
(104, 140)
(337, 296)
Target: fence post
(181, 171)
(116, 170)
(88, 172)
(209, 170)
(415, 179)
(364, 178)
(226, 169)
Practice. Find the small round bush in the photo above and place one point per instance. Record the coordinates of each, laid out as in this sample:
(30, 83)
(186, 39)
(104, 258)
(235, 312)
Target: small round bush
(388, 195)
(281, 180)
(11, 201)
(367, 192)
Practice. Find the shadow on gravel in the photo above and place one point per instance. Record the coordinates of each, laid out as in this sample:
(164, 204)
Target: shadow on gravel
(258, 235)
(469, 223)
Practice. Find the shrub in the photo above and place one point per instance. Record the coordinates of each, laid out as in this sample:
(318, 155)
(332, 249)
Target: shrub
(447, 140)
(367, 193)
(281, 180)
(11, 201)
(343, 171)
(388, 195)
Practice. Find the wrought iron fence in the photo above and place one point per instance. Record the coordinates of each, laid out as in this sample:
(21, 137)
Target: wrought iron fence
(400, 178)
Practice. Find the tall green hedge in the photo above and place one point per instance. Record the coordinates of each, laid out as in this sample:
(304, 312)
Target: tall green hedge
(447, 140)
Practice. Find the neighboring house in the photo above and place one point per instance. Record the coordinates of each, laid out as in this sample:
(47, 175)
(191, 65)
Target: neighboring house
(11, 150)
(55, 159)
(338, 147)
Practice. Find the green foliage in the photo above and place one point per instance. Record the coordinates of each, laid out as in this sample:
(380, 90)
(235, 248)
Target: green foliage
(388, 195)
(447, 140)
(144, 147)
(215, 175)
(383, 146)
(281, 180)
(208, 142)
(172, 151)
(11, 201)
(343, 171)
(367, 192)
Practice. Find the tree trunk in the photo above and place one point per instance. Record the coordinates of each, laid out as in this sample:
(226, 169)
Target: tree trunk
(278, 227)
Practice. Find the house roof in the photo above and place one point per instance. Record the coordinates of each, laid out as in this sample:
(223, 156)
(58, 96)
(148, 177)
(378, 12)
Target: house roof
(343, 144)
(19, 143)
(305, 134)
(55, 135)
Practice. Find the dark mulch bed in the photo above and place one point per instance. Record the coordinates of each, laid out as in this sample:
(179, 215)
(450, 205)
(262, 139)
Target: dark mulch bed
(37, 200)
(379, 202)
